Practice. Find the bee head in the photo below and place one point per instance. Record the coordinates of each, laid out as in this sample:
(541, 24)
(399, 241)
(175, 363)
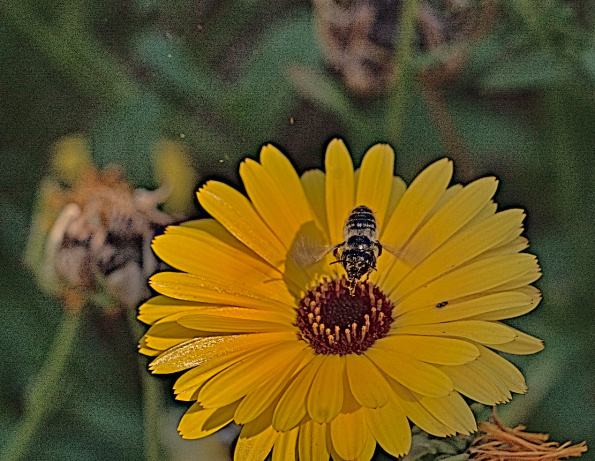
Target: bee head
(358, 263)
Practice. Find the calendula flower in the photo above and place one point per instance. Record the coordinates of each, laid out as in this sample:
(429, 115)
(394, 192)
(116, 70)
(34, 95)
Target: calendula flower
(313, 364)
(92, 230)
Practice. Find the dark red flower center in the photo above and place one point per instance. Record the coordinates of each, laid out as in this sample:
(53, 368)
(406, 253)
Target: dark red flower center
(334, 321)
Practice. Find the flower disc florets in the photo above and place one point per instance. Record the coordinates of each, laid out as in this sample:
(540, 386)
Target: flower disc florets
(334, 321)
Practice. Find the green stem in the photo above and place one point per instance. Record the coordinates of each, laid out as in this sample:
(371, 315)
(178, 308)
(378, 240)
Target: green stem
(44, 389)
(152, 410)
(403, 58)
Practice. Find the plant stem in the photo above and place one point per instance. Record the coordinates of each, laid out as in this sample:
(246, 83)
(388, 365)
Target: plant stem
(151, 397)
(403, 57)
(44, 389)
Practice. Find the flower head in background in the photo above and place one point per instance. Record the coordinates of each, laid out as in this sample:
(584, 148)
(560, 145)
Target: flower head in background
(91, 235)
(311, 364)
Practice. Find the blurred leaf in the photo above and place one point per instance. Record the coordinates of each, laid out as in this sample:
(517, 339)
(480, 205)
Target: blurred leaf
(588, 60)
(263, 97)
(326, 92)
(490, 132)
(127, 137)
(231, 20)
(170, 61)
(537, 69)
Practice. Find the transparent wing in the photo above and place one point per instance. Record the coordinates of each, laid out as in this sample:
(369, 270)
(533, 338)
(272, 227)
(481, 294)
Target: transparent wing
(308, 247)
(396, 252)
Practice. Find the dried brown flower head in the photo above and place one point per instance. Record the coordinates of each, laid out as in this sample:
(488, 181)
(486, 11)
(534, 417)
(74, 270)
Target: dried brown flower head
(97, 239)
(358, 38)
(501, 443)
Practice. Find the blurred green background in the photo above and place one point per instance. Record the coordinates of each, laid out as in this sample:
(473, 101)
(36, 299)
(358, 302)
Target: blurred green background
(224, 77)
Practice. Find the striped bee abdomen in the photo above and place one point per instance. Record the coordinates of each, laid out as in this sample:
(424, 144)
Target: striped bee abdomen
(361, 222)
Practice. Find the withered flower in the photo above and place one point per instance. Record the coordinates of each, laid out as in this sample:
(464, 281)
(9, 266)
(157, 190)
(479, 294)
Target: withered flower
(501, 443)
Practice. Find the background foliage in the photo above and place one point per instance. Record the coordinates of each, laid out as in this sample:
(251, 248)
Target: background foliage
(226, 77)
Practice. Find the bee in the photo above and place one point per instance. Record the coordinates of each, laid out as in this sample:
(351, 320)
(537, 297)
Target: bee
(357, 253)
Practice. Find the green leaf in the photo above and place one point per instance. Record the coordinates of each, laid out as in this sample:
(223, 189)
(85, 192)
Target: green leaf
(127, 136)
(536, 69)
(167, 57)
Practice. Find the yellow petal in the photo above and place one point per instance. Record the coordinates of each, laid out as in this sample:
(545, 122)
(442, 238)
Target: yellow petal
(237, 214)
(446, 197)
(259, 399)
(398, 188)
(375, 180)
(417, 413)
(450, 218)
(312, 442)
(461, 248)
(199, 422)
(515, 245)
(418, 200)
(511, 311)
(164, 335)
(287, 180)
(196, 288)
(241, 377)
(189, 395)
(476, 330)
(506, 371)
(480, 308)
(256, 440)
(470, 381)
(367, 384)
(199, 351)
(203, 255)
(237, 320)
(192, 380)
(209, 229)
(523, 344)
(487, 211)
(390, 427)
(413, 374)
(146, 350)
(269, 201)
(452, 411)
(444, 351)
(339, 188)
(417, 203)
(521, 281)
(314, 182)
(163, 306)
(292, 406)
(325, 398)
(349, 434)
(470, 279)
(285, 446)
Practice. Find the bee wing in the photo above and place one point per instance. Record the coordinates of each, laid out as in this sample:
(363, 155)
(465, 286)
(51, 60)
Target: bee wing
(308, 247)
(397, 253)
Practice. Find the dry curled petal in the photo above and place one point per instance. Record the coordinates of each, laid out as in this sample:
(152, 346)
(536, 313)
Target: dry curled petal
(501, 443)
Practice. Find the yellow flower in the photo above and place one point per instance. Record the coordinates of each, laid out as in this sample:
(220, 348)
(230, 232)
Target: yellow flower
(311, 366)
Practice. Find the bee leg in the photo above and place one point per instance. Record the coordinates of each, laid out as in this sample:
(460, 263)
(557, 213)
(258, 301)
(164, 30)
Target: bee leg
(336, 251)
(379, 246)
